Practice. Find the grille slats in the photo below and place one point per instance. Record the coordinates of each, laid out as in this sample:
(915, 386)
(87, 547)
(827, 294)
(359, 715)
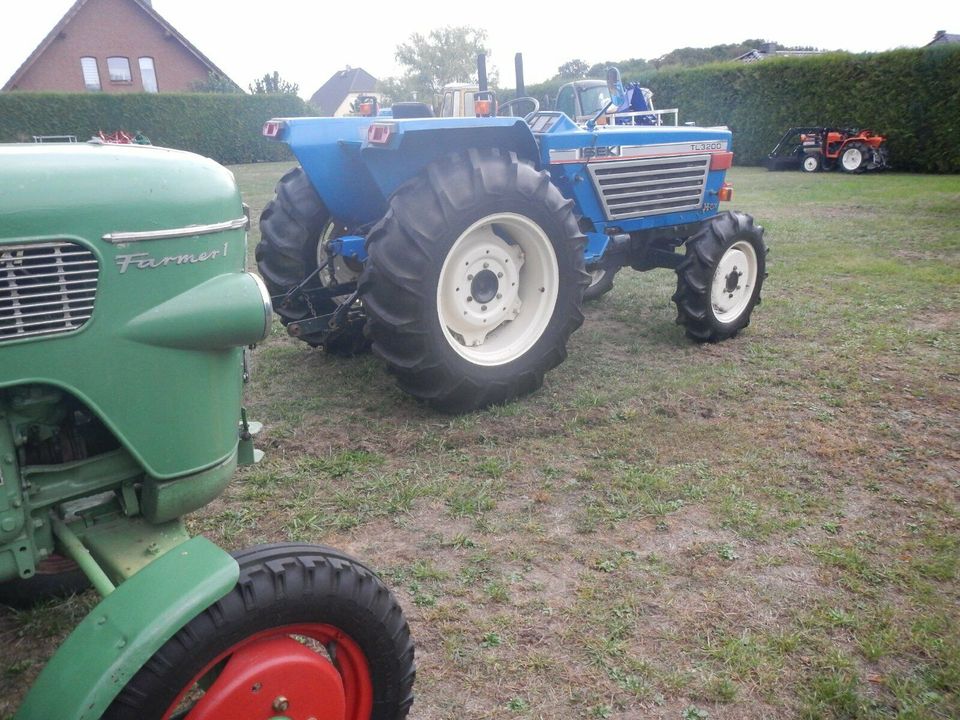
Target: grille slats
(650, 186)
(45, 288)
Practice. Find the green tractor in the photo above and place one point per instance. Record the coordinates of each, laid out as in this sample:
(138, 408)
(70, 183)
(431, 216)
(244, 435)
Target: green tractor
(125, 312)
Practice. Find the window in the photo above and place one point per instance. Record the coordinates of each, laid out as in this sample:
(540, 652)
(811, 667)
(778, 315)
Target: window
(91, 74)
(594, 98)
(119, 69)
(566, 103)
(447, 110)
(148, 75)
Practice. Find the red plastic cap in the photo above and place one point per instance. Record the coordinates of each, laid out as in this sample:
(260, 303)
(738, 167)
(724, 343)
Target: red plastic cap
(379, 133)
(721, 161)
(273, 128)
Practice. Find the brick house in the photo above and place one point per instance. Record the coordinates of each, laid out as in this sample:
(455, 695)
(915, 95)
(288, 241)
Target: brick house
(113, 46)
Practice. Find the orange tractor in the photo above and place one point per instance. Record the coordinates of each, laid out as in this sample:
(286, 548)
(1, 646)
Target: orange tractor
(821, 148)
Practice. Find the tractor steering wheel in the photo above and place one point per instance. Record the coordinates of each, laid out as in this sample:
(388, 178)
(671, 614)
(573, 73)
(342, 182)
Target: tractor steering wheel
(507, 109)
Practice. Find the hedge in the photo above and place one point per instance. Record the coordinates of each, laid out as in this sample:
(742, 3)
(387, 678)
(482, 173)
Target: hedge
(225, 127)
(910, 96)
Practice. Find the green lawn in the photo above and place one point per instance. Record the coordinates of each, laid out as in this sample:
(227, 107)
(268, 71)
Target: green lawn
(764, 528)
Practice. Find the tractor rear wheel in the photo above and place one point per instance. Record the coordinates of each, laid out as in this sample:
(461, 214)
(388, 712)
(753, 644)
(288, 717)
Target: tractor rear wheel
(719, 280)
(854, 158)
(293, 227)
(474, 281)
(307, 632)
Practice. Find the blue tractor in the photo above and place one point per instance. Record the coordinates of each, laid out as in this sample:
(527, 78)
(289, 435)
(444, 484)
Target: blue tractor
(462, 248)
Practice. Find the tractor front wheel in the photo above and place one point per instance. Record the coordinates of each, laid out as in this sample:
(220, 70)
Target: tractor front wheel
(719, 280)
(293, 228)
(601, 282)
(810, 164)
(474, 281)
(306, 632)
(854, 158)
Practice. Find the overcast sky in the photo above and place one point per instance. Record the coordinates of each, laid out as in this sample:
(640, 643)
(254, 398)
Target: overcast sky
(308, 40)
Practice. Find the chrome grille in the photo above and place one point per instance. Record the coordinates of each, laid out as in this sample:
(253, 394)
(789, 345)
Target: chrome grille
(45, 288)
(650, 186)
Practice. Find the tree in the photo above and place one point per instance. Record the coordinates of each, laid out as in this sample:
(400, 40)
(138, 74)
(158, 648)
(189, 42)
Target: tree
(572, 70)
(273, 85)
(445, 55)
(215, 83)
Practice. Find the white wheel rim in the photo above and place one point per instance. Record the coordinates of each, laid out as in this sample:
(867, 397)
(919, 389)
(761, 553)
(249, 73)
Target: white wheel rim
(733, 281)
(507, 262)
(852, 157)
(810, 163)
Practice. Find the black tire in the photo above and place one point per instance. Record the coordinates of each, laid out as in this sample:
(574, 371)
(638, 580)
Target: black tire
(56, 577)
(855, 158)
(291, 227)
(732, 238)
(601, 282)
(810, 163)
(283, 585)
(428, 216)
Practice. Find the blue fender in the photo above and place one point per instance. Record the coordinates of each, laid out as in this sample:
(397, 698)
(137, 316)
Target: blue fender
(355, 177)
(126, 628)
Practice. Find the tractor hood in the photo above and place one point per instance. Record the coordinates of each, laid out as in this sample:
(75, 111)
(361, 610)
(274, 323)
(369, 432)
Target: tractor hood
(104, 188)
(122, 282)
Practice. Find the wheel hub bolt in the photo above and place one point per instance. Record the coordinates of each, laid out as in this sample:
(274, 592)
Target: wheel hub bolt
(280, 704)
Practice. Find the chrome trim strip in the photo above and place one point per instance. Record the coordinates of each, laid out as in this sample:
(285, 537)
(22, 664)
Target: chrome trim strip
(116, 238)
(267, 305)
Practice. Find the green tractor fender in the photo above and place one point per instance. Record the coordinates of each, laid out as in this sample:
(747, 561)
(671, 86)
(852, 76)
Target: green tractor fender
(126, 628)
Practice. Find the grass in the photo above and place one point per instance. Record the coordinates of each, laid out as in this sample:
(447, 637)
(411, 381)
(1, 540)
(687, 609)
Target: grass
(768, 527)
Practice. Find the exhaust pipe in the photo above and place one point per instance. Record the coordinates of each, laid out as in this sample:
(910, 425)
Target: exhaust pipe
(482, 71)
(518, 64)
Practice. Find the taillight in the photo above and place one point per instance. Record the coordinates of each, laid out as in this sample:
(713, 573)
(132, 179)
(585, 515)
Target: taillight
(273, 128)
(725, 194)
(379, 133)
(721, 161)
(483, 108)
(367, 109)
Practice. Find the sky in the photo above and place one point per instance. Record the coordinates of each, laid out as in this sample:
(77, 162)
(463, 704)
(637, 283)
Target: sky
(306, 41)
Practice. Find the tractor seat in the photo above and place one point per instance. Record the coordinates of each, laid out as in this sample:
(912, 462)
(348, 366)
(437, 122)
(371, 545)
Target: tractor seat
(412, 110)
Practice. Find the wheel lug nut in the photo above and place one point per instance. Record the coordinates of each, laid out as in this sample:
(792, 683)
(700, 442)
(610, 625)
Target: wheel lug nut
(499, 274)
(469, 277)
(499, 296)
(280, 704)
(486, 265)
(469, 299)
(483, 307)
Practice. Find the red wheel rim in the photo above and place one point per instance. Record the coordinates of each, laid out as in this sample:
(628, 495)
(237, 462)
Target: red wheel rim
(346, 655)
